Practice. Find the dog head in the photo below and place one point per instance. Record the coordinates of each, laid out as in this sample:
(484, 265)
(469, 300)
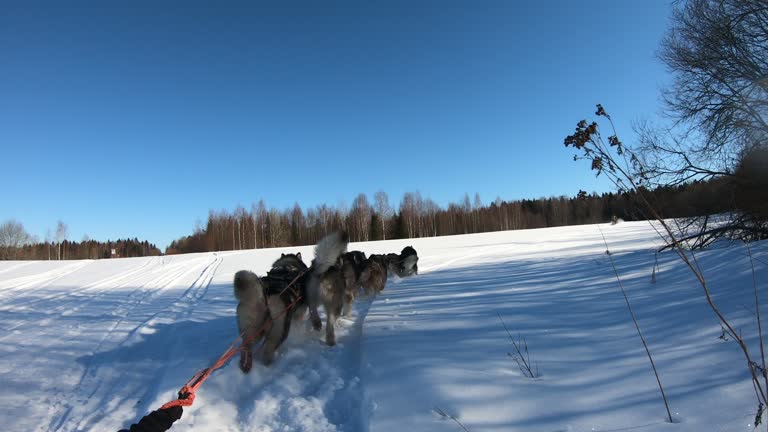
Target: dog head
(290, 263)
(407, 251)
(410, 261)
(355, 258)
(405, 264)
(409, 266)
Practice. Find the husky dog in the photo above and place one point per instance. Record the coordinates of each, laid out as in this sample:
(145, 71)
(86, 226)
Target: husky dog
(326, 283)
(252, 313)
(392, 261)
(268, 298)
(352, 264)
(378, 267)
(374, 275)
(285, 293)
(405, 264)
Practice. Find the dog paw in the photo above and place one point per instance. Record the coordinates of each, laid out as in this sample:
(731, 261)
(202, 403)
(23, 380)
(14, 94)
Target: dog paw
(246, 361)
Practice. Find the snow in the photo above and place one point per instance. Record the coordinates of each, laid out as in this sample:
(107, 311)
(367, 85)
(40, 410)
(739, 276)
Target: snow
(95, 345)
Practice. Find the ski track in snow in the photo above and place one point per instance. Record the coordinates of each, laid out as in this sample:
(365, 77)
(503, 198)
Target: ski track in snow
(16, 265)
(95, 345)
(40, 280)
(89, 383)
(84, 291)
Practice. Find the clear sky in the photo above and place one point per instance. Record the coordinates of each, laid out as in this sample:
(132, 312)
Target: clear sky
(135, 120)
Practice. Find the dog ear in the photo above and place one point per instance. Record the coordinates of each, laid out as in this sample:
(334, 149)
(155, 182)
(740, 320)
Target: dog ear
(282, 255)
(298, 255)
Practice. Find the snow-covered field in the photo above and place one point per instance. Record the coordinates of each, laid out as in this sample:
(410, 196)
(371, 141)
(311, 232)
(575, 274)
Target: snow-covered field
(95, 345)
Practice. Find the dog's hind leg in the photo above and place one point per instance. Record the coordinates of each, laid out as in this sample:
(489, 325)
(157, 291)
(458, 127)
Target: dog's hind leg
(313, 300)
(250, 319)
(350, 286)
(333, 307)
(278, 330)
(365, 281)
(314, 317)
(346, 311)
(246, 359)
(330, 333)
(349, 298)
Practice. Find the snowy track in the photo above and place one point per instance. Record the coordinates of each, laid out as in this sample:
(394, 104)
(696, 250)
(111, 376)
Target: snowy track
(94, 345)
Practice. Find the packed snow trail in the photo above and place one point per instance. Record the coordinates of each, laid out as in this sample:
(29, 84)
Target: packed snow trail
(96, 345)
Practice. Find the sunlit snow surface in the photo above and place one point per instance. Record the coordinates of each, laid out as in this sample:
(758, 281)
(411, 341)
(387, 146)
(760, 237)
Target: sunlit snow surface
(95, 345)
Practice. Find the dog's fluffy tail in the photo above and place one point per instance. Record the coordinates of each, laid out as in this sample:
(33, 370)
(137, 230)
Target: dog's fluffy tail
(328, 250)
(248, 287)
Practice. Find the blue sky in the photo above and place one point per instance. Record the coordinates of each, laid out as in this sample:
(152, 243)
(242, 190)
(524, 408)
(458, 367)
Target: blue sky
(135, 120)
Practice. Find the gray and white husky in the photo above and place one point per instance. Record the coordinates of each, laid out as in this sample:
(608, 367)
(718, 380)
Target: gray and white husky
(352, 265)
(285, 293)
(326, 283)
(263, 311)
(374, 275)
(378, 267)
(405, 264)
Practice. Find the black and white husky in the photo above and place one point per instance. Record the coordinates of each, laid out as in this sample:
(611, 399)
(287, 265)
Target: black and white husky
(268, 304)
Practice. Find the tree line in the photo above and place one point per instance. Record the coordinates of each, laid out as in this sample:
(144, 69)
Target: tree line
(417, 216)
(88, 249)
(17, 244)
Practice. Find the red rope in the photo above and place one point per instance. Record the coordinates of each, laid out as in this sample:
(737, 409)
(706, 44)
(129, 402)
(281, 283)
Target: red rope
(187, 393)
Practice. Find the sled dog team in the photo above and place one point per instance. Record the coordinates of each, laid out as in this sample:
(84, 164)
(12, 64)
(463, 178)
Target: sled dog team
(290, 288)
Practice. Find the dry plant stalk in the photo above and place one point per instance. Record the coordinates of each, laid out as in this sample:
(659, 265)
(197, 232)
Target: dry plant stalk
(521, 356)
(445, 415)
(637, 326)
(625, 170)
